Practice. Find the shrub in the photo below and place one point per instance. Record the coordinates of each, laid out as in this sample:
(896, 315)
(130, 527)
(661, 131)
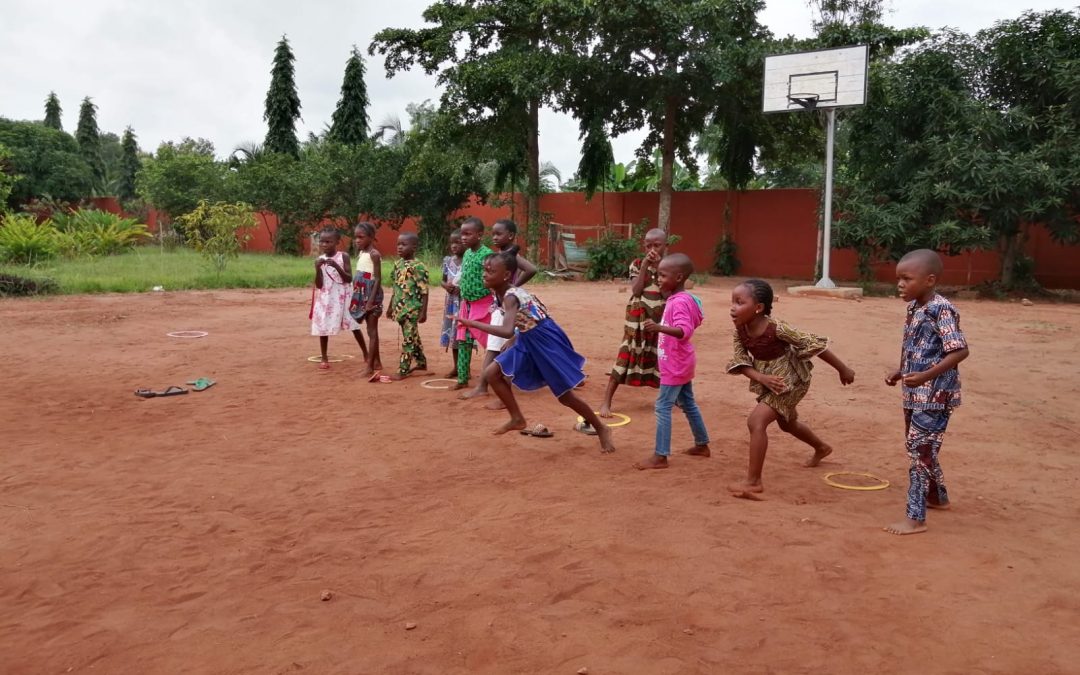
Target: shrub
(91, 232)
(218, 231)
(725, 260)
(15, 286)
(25, 241)
(610, 255)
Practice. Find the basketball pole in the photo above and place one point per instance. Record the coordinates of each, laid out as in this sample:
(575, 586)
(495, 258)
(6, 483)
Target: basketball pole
(826, 244)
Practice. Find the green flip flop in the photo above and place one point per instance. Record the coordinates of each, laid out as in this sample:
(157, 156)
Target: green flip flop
(202, 384)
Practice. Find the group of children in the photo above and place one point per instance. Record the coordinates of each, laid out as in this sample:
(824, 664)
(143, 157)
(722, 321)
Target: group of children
(487, 310)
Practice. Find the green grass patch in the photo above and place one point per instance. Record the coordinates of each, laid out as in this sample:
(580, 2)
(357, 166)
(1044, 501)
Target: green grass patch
(143, 268)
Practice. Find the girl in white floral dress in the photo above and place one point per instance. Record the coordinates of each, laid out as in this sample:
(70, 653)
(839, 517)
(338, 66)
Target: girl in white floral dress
(330, 297)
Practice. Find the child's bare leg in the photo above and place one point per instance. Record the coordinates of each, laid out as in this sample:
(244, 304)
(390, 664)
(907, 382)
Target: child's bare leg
(571, 400)
(360, 341)
(374, 362)
(324, 340)
(496, 404)
(453, 373)
(482, 386)
(806, 435)
(609, 394)
(758, 424)
(501, 387)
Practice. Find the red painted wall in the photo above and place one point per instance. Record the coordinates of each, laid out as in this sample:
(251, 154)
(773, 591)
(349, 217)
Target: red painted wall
(775, 231)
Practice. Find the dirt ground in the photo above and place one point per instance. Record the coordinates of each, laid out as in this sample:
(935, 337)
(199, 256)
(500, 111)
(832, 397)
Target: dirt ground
(195, 534)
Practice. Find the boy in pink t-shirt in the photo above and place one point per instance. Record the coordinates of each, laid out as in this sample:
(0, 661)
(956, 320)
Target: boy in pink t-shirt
(676, 358)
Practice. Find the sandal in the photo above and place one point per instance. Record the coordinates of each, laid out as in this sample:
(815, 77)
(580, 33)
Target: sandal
(170, 391)
(375, 376)
(537, 431)
(585, 428)
(323, 365)
(202, 384)
(385, 379)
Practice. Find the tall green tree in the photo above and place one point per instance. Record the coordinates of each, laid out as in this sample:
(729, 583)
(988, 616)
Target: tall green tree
(53, 112)
(657, 64)
(282, 103)
(493, 60)
(130, 164)
(48, 163)
(350, 119)
(89, 138)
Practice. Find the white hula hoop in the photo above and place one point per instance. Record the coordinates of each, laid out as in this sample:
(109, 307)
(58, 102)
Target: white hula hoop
(427, 384)
(189, 334)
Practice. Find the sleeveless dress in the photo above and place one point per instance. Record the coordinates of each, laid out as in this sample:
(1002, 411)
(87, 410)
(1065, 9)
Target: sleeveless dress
(451, 271)
(636, 363)
(328, 304)
(364, 286)
(542, 354)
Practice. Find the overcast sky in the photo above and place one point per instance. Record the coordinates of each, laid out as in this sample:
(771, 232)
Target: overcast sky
(201, 67)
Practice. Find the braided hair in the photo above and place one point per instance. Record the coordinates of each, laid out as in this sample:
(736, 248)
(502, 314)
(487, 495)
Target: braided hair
(761, 292)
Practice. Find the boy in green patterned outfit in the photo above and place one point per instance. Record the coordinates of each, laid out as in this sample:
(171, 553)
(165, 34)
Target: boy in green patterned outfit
(408, 306)
(476, 301)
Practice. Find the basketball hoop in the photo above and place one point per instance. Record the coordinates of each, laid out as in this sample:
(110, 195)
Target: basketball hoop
(807, 101)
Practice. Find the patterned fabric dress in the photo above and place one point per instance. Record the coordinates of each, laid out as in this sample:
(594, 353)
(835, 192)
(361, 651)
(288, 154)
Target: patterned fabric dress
(410, 287)
(451, 271)
(364, 286)
(636, 362)
(542, 354)
(328, 304)
(782, 351)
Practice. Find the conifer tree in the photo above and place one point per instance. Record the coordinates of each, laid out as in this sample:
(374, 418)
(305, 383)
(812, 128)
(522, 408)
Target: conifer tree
(282, 103)
(350, 120)
(129, 164)
(88, 137)
(53, 111)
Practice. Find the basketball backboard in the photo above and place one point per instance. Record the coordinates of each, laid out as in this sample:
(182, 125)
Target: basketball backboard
(826, 78)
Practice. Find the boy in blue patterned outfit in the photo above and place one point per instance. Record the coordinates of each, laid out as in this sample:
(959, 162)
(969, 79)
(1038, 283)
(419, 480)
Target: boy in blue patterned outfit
(933, 347)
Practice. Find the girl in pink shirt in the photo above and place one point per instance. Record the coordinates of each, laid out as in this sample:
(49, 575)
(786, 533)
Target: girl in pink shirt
(676, 360)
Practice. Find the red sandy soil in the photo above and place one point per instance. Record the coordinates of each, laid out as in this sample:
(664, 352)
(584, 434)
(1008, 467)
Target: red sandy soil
(195, 534)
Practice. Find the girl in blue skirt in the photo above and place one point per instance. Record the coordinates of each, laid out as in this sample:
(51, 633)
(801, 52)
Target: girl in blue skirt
(539, 354)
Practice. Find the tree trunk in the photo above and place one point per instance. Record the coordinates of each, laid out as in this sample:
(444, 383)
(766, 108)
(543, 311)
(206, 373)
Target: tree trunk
(667, 164)
(532, 161)
(1010, 253)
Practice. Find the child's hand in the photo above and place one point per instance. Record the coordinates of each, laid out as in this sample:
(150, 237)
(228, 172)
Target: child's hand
(892, 378)
(915, 379)
(653, 257)
(650, 326)
(773, 383)
(847, 375)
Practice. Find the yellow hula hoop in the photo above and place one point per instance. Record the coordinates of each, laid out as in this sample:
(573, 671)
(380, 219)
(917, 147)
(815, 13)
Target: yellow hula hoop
(427, 384)
(863, 488)
(331, 359)
(624, 420)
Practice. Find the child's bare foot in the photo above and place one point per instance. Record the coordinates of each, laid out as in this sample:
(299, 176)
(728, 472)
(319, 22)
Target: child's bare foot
(367, 371)
(653, 461)
(819, 454)
(475, 393)
(495, 405)
(605, 410)
(944, 506)
(458, 386)
(606, 444)
(324, 365)
(514, 424)
(699, 451)
(452, 375)
(397, 377)
(745, 490)
(906, 526)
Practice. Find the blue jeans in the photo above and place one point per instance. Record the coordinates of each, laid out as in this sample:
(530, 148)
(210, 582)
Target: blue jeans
(683, 395)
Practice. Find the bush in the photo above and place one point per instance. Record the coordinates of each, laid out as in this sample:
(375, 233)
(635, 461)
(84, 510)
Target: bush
(725, 260)
(25, 241)
(16, 287)
(91, 232)
(218, 231)
(610, 255)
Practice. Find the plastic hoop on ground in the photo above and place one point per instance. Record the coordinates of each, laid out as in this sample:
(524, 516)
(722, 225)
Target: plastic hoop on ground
(864, 488)
(187, 334)
(427, 384)
(330, 359)
(623, 421)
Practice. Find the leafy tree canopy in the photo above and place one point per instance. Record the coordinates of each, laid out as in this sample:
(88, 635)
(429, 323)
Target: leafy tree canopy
(48, 162)
(282, 103)
(181, 174)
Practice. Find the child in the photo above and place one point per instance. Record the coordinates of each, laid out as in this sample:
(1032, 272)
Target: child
(408, 304)
(367, 297)
(541, 354)
(676, 360)
(476, 300)
(331, 295)
(776, 359)
(451, 277)
(636, 362)
(503, 233)
(932, 348)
